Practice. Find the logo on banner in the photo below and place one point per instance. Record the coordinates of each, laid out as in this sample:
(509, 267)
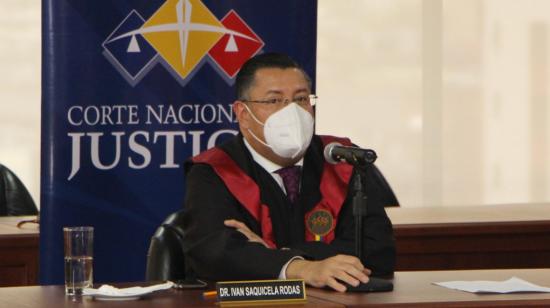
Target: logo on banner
(181, 35)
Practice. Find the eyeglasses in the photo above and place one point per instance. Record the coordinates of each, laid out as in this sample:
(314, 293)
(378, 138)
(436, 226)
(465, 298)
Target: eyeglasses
(304, 101)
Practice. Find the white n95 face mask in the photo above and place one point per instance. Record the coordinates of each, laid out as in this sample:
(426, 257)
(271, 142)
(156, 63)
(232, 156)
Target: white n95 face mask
(288, 131)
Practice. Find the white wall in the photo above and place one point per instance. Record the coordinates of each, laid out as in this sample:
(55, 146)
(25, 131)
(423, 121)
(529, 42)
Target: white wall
(20, 90)
(452, 94)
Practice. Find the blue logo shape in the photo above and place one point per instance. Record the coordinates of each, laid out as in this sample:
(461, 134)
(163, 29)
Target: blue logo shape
(132, 56)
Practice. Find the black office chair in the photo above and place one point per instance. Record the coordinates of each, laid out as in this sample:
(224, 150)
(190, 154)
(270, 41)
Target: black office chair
(165, 258)
(15, 199)
(378, 179)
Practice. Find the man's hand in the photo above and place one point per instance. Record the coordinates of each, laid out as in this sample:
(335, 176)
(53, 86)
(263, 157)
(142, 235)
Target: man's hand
(345, 268)
(241, 227)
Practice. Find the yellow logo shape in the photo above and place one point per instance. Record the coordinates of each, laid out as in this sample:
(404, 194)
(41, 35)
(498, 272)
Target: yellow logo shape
(182, 32)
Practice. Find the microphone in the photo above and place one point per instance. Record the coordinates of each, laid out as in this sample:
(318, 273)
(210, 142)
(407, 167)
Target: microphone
(335, 153)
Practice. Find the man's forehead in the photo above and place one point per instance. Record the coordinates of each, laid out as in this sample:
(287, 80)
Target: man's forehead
(274, 76)
(277, 70)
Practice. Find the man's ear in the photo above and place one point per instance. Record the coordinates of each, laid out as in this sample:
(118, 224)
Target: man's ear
(241, 113)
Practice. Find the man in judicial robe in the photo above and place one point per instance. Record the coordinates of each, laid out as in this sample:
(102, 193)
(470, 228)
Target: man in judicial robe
(267, 205)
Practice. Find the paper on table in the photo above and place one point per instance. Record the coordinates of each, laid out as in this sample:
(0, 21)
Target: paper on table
(511, 285)
(108, 290)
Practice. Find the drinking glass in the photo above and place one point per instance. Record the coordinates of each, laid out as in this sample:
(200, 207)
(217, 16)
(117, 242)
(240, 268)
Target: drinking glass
(79, 255)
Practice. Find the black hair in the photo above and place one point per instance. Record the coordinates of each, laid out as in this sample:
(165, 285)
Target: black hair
(245, 77)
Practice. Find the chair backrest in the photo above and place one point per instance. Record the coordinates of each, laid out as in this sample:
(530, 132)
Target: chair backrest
(165, 258)
(388, 196)
(15, 199)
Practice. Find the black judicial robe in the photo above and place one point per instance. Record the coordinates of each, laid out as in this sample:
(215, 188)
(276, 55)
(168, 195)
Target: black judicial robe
(216, 252)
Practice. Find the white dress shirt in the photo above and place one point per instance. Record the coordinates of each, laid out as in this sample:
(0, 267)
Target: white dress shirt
(271, 168)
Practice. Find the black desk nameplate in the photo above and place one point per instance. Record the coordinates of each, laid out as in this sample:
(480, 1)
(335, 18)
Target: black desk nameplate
(260, 291)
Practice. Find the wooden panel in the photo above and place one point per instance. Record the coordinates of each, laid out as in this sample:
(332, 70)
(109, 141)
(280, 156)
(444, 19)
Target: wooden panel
(18, 252)
(472, 237)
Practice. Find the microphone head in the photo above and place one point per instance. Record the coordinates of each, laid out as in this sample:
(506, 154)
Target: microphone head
(327, 152)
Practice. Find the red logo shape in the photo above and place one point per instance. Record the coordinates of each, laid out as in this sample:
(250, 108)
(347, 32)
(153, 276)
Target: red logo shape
(231, 51)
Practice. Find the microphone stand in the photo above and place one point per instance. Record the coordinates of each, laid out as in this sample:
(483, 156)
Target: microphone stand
(359, 200)
(359, 208)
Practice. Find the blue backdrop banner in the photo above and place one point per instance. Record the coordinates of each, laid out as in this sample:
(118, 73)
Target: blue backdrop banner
(131, 89)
